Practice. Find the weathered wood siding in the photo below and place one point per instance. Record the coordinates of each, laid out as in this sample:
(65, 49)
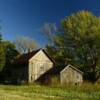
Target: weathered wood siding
(70, 76)
(38, 65)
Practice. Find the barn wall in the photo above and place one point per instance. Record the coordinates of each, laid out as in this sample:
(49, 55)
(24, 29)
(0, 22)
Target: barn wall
(70, 76)
(38, 65)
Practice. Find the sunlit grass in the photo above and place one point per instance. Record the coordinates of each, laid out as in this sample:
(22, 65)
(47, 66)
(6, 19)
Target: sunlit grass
(37, 92)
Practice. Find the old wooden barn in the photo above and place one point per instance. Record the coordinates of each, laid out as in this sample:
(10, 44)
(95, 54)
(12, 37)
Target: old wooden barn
(30, 66)
(71, 75)
(38, 66)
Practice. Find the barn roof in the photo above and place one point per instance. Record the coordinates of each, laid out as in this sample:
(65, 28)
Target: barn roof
(58, 70)
(72, 68)
(24, 59)
(53, 71)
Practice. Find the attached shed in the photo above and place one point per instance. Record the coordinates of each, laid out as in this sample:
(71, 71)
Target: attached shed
(71, 75)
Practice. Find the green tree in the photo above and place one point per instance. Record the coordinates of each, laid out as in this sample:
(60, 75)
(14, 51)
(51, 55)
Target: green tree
(0, 37)
(10, 56)
(10, 52)
(2, 55)
(78, 41)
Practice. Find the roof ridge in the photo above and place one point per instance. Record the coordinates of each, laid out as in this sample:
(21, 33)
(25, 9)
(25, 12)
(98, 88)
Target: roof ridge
(69, 65)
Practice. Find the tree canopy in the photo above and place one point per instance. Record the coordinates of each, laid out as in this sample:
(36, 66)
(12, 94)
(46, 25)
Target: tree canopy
(2, 55)
(10, 52)
(78, 42)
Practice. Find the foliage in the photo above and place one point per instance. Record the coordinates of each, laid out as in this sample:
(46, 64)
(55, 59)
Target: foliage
(81, 36)
(78, 43)
(0, 37)
(2, 57)
(10, 52)
(24, 44)
(56, 55)
(10, 55)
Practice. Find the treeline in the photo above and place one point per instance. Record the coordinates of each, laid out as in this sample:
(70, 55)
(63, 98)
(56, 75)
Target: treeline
(8, 53)
(75, 42)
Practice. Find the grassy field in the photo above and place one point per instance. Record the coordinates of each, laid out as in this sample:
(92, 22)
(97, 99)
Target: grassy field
(37, 92)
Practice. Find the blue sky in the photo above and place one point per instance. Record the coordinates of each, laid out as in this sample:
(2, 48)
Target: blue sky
(26, 17)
